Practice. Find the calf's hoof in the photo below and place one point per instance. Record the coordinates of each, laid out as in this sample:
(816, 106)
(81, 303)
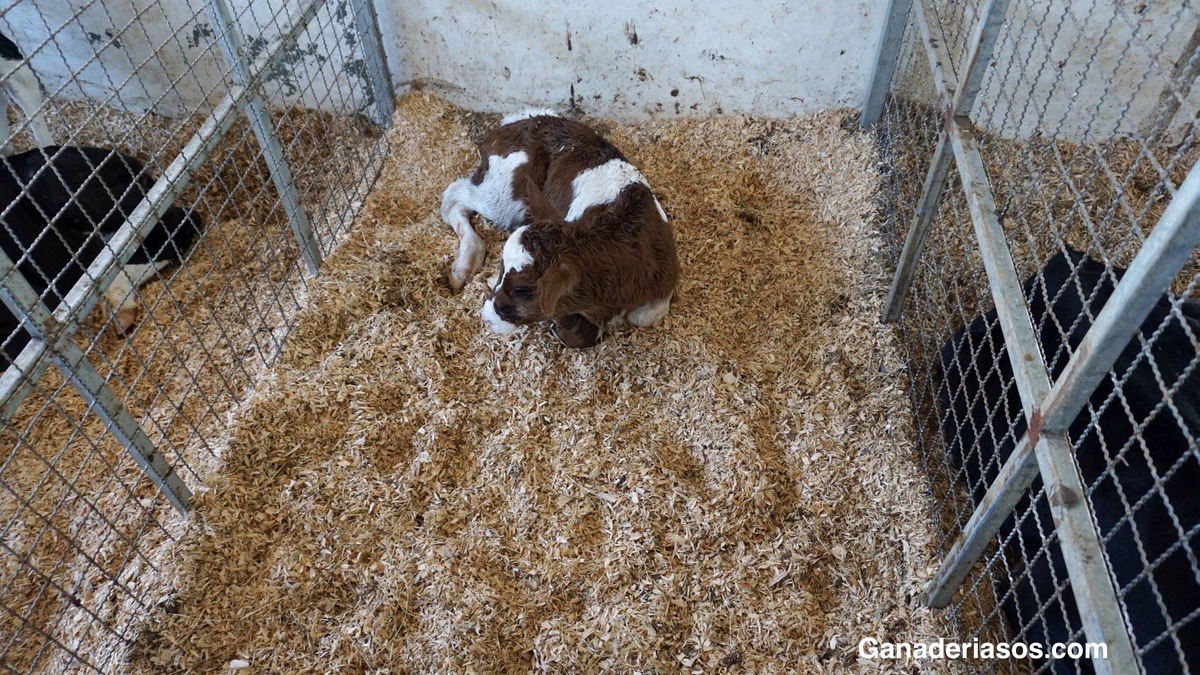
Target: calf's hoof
(576, 332)
(459, 277)
(471, 254)
(456, 280)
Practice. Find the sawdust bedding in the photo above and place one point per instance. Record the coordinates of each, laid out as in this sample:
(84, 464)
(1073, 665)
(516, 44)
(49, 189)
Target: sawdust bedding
(733, 488)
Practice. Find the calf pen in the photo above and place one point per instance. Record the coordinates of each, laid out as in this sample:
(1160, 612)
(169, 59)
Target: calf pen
(397, 490)
(1062, 463)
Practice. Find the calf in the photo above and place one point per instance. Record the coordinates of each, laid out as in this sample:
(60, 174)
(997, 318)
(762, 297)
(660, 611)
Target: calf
(590, 243)
(18, 83)
(58, 208)
(982, 421)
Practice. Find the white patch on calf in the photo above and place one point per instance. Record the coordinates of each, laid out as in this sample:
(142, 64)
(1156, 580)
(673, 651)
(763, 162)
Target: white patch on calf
(131, 277)
(120, 295)
(650, 313)
(498, 325)
(526, 114)
(120, 291)
(601, 185)
(516, 257)
(494, 198)
(457, 203)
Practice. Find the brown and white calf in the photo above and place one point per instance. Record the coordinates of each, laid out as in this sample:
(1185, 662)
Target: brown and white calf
(590, 243)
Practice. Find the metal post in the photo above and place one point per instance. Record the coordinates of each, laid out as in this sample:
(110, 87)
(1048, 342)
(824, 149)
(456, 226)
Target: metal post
(958, 101)
(941, 68)
(990, 513)
(979, 55)
(22, 300)
(95, 390)
(1020, 340)
(260, 120)
(935, 181)
(914, 241)
(381, 97)
(18, 380)
(1091, 583)
(885, 61)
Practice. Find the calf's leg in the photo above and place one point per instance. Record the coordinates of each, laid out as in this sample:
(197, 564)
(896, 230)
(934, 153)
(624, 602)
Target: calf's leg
(576, 332)
(457, 207)
(650, 313)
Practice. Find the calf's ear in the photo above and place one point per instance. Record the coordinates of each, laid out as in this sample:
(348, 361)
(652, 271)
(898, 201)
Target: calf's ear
(558, 281)
(540, 208)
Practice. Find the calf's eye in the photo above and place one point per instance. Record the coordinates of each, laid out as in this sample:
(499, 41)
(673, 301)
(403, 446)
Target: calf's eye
(523, 292)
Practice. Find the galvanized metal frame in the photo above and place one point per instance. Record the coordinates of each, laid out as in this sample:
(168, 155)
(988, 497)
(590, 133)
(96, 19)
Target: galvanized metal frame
(381, 94)
(885, 61)
(946, 83)
(23, 300)
(1091, 584)
(1164, 253)
(52, 333)
(1045, 448)
(232, 44)
(958, 101)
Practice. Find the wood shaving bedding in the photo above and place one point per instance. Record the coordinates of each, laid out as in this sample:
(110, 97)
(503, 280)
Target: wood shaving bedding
(731, 489)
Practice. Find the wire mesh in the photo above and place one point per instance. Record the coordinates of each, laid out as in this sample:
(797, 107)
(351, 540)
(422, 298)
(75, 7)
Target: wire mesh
(1086, 122)
(83, 533)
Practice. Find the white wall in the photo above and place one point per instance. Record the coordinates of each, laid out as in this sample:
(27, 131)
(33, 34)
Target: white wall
(630, 59)
(623, 59)
(88, 55)
(1071, 68)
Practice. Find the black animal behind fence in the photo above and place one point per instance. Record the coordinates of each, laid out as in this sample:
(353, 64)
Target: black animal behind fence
(58, 208)
(1136, 447)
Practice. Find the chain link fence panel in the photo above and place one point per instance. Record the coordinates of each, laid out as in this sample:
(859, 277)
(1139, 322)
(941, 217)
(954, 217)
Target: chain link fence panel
(169, 185)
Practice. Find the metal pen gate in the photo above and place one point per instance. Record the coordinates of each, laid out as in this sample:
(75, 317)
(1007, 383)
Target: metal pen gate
(81, 534)
(1071, 125)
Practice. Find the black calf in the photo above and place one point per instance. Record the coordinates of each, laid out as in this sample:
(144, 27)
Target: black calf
(982, 422)
(58, 206)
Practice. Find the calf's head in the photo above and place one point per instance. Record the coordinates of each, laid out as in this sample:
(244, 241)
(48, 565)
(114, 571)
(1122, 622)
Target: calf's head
(536, 272)
(534, 280)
